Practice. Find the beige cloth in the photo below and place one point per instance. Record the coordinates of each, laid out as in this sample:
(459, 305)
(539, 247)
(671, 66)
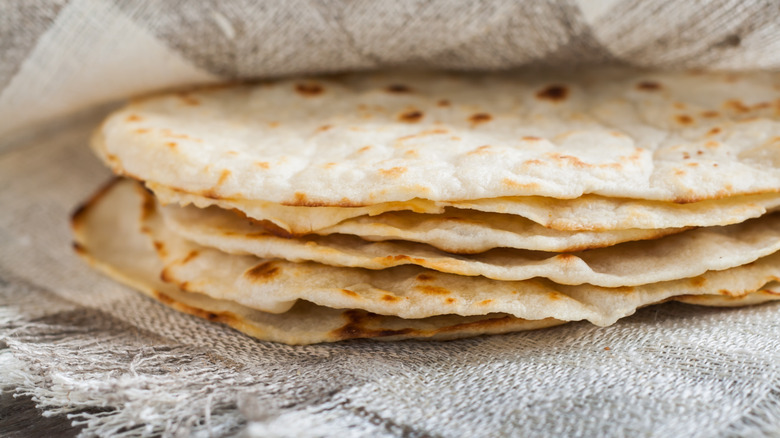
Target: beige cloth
(57, 56)
(123, 365)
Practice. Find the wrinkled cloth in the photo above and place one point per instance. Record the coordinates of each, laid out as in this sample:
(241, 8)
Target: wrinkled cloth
(120, 364)
(57, 56)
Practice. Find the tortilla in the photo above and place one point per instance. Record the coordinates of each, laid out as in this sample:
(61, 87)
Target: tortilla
(107, 235)
(682, 255)
(586, 213)
(274, 285)
(366, 139)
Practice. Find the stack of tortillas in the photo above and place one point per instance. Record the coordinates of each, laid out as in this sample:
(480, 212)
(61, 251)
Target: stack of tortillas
(431, 205)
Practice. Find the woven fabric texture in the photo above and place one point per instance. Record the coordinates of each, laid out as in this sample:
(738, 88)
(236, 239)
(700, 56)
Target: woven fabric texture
(119, 364)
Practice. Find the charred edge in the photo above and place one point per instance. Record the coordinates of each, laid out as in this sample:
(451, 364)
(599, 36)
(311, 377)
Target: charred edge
(224, 317)
(355, 327)
(79, 249)
(77, 216)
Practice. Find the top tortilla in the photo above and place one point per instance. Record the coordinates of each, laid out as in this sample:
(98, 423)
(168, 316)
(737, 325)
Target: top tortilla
(370, 138)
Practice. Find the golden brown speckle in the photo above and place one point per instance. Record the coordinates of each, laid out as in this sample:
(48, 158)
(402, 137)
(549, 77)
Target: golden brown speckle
(398, 88)
(393, 172)
(432, 290)
(264, 271)
(553, 93)
(223, 177)
(684, 119)
(309, 89)
(648, 86)
(412, 116)
(480, 118)
(349, 293)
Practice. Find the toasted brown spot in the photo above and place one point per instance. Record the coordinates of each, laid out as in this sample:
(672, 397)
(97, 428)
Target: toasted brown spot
(273, 124)
(679, 105)
(425, 277)
(263, 164)
(450, 300)
(413, 116)
(77, 216)
(736, 105)
(529, 138)
(264, 271)
(554, 93)
(714, 131)
(686, 155)
(223, 177)
(134, 118)
(188, 100)
(190, 256)
(516, 185)
(479, 118)
(699, 152)
(141, 131)
(398, 88)
(272, 228)
(393, 172)
(679, 172)
(309, 89)
(710, 114)
(568, 160)
(364, 149)
(480, 150)
(390, 298)
(648, 86)
(79, 248)
(485, 302)
(171, 144)
(349, 293)
(356, 327)
(692, 164)
(698, 281)
(301, 200)
(324, 128)
(684, 119)
(432, 290)
(711, 144)
(424, 134)
(443, 103)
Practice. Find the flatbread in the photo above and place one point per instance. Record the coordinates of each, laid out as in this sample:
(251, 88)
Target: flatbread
(457, 231)
(107, 235)
(365, 139)
(275, 286)
(586, 213)
(674, 257)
